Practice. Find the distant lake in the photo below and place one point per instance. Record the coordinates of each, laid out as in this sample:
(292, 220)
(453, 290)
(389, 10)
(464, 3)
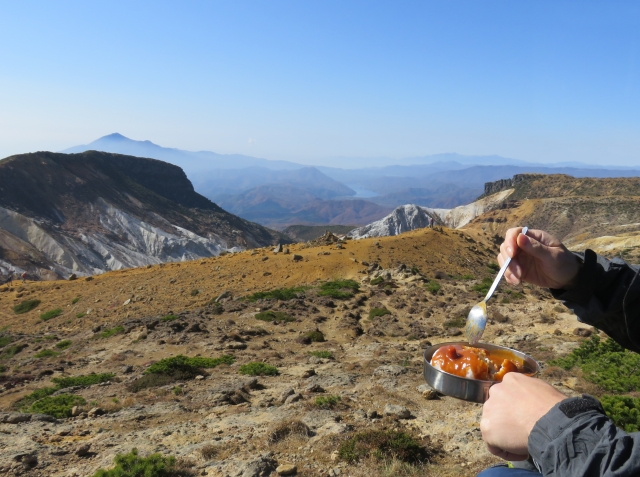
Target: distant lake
(362, 193)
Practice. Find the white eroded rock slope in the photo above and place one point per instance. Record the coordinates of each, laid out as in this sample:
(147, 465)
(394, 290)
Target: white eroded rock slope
(410, 217)
(95, 251)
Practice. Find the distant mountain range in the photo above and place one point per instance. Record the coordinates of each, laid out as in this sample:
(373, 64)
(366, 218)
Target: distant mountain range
(92, 212)
(281, 193)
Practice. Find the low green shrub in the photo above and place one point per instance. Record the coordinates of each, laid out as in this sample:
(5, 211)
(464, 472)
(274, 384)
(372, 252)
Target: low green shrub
(176, 368)
(10, 351)
(36, 395)
(109, 332)
(327, 402)
(46, 316)
(282, 294)
(432, 287)
(374, 312)
(4, 341)
(339, 289)
(195, 292)
(169, 318)
(86, 380)
(271, 315)
(46, 353)
(605, 363)
(383, 445)
(483, 286)
(57, 406)
(322, 354)
(64, 344)
(3, 368)
(75, 300)
(132, 465)
(187, 365)
(457, 322)
(315, 336)
(81, 315)
(493, 267)
(258, 369)
(624, 411)
(376, 281)
(25, 306)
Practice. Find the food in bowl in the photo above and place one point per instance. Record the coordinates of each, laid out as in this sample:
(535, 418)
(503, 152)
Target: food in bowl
(476, 363)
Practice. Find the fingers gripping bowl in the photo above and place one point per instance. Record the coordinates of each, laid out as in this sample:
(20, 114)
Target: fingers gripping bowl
(467, 388)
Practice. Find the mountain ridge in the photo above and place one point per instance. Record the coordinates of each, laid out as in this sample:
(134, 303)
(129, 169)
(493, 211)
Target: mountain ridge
(94, 211)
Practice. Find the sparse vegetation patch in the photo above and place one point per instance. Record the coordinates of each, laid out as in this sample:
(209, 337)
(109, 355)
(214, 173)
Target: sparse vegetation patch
(315, 336)
(57, 406)
(86, 380)
(374, 312)
(46, 353)
(376, 281)
(432, 287)
(605, 363)
(169, 318)
(322, 354)
(327, 402)
(109, 332)
(258, 369)
(46, 316)
(25, 307)
(384, 445)
(132, 465)
(271, 315)
(483, 286)
(283, 294)
(4, 341)
(339, 289)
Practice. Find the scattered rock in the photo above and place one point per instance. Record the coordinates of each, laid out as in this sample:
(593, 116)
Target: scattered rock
(296, 257)
(390, 370)
(127, 301)
(75, 411)
(314, 388)
(308, 373)
(285, 394)
(72, 277)
(397, 411)
(83, 450)
(286, 469)
(278, 248)
(14, 417)
(293, 398)
(95, 412)
(584, 332)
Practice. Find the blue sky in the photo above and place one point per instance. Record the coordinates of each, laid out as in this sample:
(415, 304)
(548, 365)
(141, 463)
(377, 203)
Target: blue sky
(301, 80)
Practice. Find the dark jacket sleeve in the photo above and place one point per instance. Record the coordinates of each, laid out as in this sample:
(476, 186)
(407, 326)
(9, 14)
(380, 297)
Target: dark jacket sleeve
(607, 295)
(588, 444)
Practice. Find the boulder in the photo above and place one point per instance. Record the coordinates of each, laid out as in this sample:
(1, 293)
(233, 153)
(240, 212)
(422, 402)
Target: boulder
(397, 411)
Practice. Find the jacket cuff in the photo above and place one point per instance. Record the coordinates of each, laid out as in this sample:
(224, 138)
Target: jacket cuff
(586, 281)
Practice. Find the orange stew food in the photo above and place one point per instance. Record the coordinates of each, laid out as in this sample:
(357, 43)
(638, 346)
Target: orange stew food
(476, 363)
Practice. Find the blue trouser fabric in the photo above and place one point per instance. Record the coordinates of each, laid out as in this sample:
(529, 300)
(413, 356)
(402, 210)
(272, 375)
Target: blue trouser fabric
(504, 471)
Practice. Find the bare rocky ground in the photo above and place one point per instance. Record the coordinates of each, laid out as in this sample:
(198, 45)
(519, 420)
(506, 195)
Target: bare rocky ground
(223, 423)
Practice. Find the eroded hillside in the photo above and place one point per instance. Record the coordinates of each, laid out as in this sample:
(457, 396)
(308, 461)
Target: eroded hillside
(344, 332)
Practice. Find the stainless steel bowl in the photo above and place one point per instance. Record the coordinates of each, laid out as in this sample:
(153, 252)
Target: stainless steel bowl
(473, 390)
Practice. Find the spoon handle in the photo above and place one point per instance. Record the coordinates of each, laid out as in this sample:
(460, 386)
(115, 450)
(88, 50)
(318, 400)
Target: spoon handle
(506, 263)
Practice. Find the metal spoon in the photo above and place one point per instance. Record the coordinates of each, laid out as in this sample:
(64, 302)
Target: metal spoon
(477, 319)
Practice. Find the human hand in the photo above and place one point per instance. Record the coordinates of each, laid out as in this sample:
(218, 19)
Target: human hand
(513, 408)
(538, 258)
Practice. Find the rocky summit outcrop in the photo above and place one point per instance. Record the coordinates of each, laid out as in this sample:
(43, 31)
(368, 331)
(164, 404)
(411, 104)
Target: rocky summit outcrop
(411, 217)
(64, 214)
(402, 219)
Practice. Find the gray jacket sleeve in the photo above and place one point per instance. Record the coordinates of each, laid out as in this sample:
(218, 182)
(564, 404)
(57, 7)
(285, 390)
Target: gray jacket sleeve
(587, 444)
(607, 296)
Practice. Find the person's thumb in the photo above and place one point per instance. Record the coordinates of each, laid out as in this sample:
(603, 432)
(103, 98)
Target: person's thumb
(532, 247)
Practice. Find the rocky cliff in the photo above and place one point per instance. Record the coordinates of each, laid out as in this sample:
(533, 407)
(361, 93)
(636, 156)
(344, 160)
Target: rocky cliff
(91, 212)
